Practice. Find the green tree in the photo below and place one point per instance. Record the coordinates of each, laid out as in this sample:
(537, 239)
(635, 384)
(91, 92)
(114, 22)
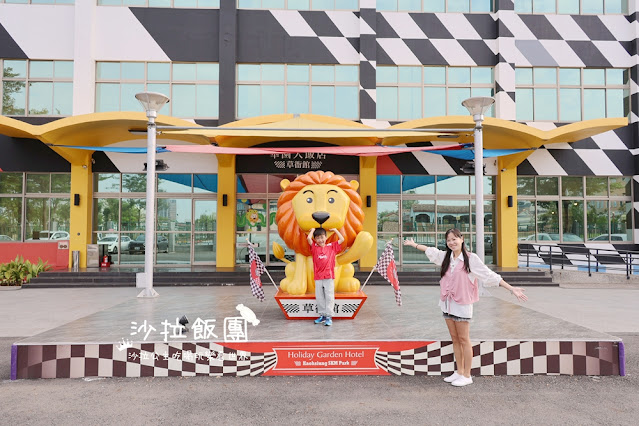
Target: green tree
(11, 88)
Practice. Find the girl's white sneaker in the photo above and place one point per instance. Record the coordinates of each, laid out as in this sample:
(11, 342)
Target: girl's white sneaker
(452, 377)
(462, 381)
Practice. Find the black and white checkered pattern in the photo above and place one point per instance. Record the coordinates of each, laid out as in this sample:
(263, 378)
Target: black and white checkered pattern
(257, 269)
(382, 266)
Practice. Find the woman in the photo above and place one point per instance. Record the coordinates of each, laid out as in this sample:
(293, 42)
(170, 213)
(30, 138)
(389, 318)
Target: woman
(460, 271)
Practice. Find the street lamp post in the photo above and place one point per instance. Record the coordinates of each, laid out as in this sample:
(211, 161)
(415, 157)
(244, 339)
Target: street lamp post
(477, 106)
(151, 102)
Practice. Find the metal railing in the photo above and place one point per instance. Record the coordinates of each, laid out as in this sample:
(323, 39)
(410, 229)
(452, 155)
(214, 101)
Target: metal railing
(554, 255)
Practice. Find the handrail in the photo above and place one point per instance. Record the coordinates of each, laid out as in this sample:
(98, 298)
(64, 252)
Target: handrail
(544, 250)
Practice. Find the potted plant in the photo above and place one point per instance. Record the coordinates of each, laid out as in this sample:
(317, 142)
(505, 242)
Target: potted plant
(19, 271)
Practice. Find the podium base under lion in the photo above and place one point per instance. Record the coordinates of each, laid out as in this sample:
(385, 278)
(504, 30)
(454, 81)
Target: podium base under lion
(304, 307)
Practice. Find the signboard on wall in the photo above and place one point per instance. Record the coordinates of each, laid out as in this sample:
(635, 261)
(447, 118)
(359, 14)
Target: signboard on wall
(298, 163)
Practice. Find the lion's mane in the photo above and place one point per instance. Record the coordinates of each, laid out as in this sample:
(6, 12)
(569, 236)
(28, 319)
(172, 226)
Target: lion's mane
(289, 229)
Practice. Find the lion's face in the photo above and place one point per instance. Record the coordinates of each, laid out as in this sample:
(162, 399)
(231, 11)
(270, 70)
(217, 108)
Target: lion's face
(321, 206)
(314, 200)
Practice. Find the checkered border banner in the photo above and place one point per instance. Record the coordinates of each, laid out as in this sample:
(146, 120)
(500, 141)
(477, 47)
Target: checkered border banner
(600, 358)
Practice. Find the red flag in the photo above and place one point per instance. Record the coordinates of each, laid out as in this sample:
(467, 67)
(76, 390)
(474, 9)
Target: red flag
(257, 269)
(388, 269)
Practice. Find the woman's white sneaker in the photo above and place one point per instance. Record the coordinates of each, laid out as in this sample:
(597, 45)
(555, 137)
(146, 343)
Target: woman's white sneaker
(452, 377)
(462, 381)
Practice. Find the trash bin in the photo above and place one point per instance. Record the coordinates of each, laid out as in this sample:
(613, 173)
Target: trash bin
(75, 259)
(93, 259)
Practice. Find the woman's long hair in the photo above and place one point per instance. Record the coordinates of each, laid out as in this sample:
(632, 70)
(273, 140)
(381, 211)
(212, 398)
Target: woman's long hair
(446, 263)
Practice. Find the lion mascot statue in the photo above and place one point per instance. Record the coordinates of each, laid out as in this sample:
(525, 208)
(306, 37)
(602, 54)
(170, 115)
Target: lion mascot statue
(320, 200)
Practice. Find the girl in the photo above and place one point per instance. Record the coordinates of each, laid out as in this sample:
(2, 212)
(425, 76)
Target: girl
(460, 271)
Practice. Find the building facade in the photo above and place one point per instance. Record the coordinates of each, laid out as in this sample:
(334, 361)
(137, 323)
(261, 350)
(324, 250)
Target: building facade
(380, 63)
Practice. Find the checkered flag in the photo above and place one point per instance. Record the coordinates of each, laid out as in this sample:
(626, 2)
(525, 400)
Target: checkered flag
(257, 269)
(386, 267)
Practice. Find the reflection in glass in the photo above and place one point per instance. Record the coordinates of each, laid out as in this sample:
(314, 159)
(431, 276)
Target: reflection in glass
(489, 185)
(38, 182)
(459, 185)
(490, 213)
(415, 184)
(106, 182)
(205, 215)
(173, 248)
(547, 185)
(596, 186)
(453, 214)
(547, 218)
(573, 220)
(37, 216)
(411, 255)
(10, 183)
(174, 214)
(133, 214)
(389, 184)
(174, 182)
(388, 216)
(597, 217)
(204, 248)
(525, 220)
(572, 186)
(11, 218)
(128, 254)
(133, 182)
(106, 214)
(620, 186)
(525, 185)
(418, 215)
(621, 219)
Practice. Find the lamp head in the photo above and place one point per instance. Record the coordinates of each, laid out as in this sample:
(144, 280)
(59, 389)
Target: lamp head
(152, 102)
(478, 105)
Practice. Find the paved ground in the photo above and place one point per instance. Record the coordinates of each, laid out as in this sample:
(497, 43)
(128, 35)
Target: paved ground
(319, 400)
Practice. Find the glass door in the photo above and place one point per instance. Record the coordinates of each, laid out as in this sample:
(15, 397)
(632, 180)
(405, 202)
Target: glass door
(204, 227)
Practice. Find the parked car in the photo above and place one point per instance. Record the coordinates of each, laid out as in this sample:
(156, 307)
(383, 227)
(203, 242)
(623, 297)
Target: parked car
(112, 243)
(611, 237)
(52, 235)
(5, 238)
(137, 245)
(543, 236)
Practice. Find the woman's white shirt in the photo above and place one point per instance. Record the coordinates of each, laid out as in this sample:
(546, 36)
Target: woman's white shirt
(478, 270)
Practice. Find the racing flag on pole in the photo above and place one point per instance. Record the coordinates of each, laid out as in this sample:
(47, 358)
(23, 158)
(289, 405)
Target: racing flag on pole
(387, 269)
(257, 269)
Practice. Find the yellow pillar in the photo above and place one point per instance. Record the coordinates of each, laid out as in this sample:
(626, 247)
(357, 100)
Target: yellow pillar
(507, 216)
(226, 186)
(80, 216)
(368, 188)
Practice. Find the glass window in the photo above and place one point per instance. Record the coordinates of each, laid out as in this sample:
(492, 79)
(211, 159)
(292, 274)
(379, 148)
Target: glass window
(174, 214)
(408, 92)
(453, 185)
(597, 217)
(10, 183)
(107, 182)
(10, 217)
(418, 215)
(620, 186)
(573, 221)
(192, 87)
(388, 216)
(548, 220)
(547, 186)
(418, 184)
(525, 185)
(61, 183)
(106, 214)
(570, 7)
(620, 220)
(453, 214)
(526, 220)
(48, 93)
(174, 182)
(572, 186)
(38, 182)
(133, 214)
(389, 184)
(596, 186)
